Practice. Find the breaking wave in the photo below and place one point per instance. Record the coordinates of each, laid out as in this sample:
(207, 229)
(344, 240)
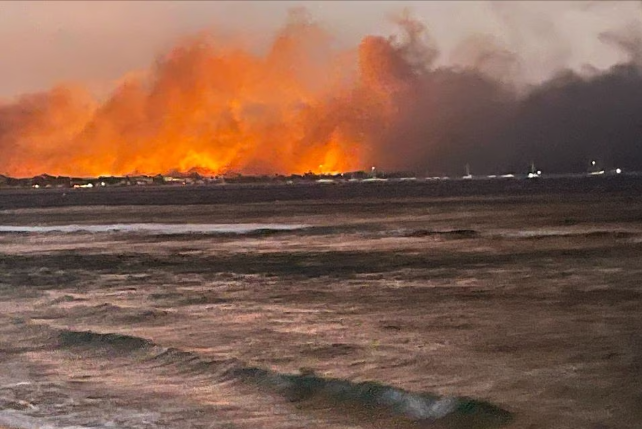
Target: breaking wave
(306, 389)
(155, 228)
(534, 234)
(14, 419)
(557, 233)
(109, 313)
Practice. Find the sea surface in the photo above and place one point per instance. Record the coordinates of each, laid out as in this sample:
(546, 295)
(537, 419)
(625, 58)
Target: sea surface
(516, 311)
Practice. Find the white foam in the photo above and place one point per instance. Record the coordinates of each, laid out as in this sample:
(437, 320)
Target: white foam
(18, 420)
(15, 419)
(154, 228)
(418, 407)
(443, 407)
(539, 233)
(21, 383)
(570, 232)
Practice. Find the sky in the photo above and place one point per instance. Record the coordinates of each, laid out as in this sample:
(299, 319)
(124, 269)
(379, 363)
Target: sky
(99, 88)
(46, 43)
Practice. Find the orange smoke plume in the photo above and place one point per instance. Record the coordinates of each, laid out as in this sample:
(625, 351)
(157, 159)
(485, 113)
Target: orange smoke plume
(214, 108)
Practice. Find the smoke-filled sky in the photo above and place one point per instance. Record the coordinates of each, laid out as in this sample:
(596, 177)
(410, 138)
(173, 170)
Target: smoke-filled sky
(44, 43)
(117, 87)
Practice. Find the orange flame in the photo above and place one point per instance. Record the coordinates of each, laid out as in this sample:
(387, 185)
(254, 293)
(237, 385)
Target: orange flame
(215, 109)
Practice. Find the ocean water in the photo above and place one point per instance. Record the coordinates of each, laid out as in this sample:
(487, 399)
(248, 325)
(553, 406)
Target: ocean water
(391, 313)
(153, 228)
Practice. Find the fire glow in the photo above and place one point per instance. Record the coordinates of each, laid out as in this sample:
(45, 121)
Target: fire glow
(213, 108)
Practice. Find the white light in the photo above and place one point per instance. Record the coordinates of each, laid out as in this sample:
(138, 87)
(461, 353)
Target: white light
(618, 171)
(539, 172)
(592, 162)
(102, 183)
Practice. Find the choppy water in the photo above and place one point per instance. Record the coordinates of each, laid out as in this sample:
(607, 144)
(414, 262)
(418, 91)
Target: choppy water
(387, 314)
(154, 228)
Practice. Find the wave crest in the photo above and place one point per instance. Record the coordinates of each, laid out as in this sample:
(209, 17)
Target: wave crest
(308, 389)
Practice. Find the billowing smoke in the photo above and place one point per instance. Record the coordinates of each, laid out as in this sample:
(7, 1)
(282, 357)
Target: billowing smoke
(304, 106)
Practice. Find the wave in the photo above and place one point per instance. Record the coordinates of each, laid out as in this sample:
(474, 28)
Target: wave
(373, 399)
(106, 313)
(155, 228)
(453, 234)
(380, 401)
(69, 338)
(535, 234)
(561, 233)
(143, 352)
(14, 419)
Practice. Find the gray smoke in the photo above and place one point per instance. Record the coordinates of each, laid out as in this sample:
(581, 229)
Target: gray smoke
(474, 113)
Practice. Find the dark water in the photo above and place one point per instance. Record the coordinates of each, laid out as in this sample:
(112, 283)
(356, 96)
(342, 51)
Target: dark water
(485, 312)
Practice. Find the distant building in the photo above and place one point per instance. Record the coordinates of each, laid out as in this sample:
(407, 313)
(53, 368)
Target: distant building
(47, 181)
(112, 181)
(140, 180)
(81, 183)
(173, 180)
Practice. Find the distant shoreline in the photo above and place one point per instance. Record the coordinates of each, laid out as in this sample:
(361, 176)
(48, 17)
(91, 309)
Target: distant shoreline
(195, 179)
(249, 193)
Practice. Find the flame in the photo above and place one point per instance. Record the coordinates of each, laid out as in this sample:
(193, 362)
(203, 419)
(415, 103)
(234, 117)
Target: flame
(214, 108)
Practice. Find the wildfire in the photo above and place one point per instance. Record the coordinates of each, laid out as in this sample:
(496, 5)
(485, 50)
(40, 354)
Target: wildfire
(214, 108)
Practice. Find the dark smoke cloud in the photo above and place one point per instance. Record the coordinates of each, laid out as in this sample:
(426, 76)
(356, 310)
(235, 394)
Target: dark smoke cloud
(569, 120)
(472, 114)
